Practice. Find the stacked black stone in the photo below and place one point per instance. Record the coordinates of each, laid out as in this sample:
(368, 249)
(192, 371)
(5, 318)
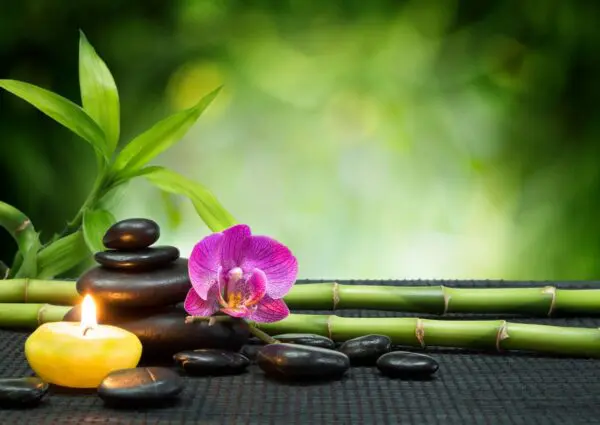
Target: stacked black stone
(140, 288)
(131, 274)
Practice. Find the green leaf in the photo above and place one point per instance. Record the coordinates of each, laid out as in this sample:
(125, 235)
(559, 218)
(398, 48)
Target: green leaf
(19, 226)
(29, 268)
(160, 137)
(62, 111)
(62, 255)
(99, 94)
(207, 206)
(95, 225)
(171, 208)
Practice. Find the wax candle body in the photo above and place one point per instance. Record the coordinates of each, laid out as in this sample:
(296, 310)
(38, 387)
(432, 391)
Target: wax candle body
(61, 354)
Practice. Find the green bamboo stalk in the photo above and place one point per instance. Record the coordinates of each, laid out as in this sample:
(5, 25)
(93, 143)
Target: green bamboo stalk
(38, 291)
(30, 316)
(487, 335)
(440, 299)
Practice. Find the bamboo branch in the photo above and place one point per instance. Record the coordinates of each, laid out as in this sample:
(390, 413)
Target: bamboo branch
(487, 335)
(30, 316)
(440, 299)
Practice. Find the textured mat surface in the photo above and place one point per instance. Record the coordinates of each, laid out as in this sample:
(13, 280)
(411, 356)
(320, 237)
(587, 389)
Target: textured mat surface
(470, 388)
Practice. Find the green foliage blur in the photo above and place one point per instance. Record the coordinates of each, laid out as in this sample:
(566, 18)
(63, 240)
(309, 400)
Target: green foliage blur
(382, 139)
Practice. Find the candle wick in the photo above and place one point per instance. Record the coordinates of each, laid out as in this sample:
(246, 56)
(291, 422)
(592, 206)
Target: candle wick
(87, 328)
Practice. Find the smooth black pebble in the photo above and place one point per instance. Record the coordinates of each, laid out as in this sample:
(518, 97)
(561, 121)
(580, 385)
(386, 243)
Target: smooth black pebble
(250, 351)
(312, 340)
(164, 332)
(365, 350)
(131, 234)
(143, 259)
(300, 362)
(140, 387)
(402, 364)
(22, 392)
(151, 288)
(211, 362)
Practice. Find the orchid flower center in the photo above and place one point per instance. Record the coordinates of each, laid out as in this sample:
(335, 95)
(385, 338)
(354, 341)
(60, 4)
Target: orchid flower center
(233, 298)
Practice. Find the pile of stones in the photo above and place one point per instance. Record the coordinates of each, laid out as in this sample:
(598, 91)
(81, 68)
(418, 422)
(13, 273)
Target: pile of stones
(139, 288)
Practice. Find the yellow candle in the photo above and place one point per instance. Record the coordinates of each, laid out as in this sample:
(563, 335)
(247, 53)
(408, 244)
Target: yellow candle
(80, 355)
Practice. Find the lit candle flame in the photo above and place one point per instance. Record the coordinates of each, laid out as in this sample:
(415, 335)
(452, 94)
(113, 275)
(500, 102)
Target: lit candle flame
(88, 313)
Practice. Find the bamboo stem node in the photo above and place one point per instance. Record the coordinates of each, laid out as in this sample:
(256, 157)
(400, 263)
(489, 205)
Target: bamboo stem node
(420, 332)
(23, 226)
(330, 327)
(552, 291)
(335, 289)
(25, 289)
(446, 296)
(502, 335)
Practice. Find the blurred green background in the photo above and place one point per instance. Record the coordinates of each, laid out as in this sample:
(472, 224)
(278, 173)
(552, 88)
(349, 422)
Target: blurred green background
(381, 139)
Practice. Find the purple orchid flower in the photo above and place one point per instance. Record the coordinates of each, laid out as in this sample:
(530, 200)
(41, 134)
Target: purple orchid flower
(240, 275)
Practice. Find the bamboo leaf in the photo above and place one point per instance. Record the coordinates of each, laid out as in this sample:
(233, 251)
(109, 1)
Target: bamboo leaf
(19, 226)
(216, 217)
(62, 111)
(95, 225)
(99, 94)
(62, 255)
(160, 137)
(171, 207)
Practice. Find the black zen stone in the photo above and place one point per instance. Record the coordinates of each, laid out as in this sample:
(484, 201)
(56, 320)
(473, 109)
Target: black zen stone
(211, 362)
(400, 364)
(131, 234)
(164, 332)
(22, 392)
(250, 351)
(305, 339)
(300, 362)
(140, 387)
(365, 350)
(143, 259)
(165, 286)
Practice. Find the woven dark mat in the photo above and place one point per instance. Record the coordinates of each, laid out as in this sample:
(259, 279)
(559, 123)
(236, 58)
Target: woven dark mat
(470, 388)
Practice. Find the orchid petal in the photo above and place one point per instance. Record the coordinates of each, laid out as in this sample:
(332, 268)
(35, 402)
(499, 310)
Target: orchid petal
(203, 264)
(196, 306)
(233, 246)
(249, 291)
(270, 310)
(275, 260)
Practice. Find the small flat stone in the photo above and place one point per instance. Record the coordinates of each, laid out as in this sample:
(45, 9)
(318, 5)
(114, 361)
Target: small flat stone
(365, 350)
(140, 386)
(22, 392)
(131, 234)
(211, 362)
(150, 288)
(402, 364)
(300, 362)
(143, 259)
(312, 340)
